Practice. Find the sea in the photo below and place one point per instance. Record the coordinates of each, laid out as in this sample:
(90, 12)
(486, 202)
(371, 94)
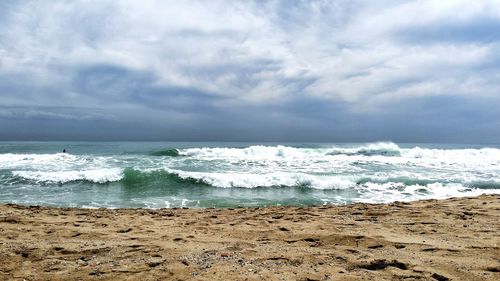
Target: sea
(196, 174)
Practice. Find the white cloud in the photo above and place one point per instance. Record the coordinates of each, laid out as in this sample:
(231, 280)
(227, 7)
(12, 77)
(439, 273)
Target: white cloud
(342, 50)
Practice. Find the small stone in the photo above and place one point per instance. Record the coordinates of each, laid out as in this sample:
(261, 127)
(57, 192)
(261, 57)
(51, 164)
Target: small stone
(224, 254)
(154, 263)
(125, 230)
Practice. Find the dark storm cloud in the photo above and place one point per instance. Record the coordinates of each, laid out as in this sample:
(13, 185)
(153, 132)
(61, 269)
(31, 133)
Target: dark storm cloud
(52, 113)
(250, 70)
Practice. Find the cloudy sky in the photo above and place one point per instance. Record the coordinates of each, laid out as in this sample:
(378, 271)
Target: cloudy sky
(406, 71)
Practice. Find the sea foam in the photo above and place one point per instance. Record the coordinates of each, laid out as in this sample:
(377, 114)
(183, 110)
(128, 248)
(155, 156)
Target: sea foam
(95, 176)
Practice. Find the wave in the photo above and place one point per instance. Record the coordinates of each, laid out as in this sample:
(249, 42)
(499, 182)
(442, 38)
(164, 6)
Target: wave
(390, 192)
(130, 176)
(61, 177)
(177, 178)
(167, 152)
(256, 151)
(14, 160)
(133, 177)
(287, 152)
(127, 176)
(384, 149)
(380, 148)
(407, 181)
(484, 185)
(276, 179)
(457, 155)
(65, 162)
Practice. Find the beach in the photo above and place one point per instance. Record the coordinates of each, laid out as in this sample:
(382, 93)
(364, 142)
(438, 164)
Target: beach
(452, 239)
(250, 140)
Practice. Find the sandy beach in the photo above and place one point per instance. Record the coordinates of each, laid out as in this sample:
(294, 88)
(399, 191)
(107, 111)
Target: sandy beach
(454, 239)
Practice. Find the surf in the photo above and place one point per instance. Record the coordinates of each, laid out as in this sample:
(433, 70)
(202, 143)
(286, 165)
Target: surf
(130, 174)
(173, 152)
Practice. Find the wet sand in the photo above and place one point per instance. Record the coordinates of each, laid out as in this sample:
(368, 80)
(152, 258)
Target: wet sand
(454, 239)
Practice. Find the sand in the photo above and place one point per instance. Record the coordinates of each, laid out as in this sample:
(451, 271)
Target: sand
(454, 239)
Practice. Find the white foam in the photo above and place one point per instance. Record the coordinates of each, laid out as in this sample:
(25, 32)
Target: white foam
(252, 152)
(383, 152)
(390, 192)
(13, 161)
(249, 180)
(53, 162)
(482, 155)
(97, 176)
(283, 152)
(382, 148)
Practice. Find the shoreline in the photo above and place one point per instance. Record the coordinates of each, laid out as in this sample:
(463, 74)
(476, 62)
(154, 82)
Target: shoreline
(450, 239)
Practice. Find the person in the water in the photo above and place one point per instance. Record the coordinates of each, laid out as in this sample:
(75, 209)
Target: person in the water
(64, 150)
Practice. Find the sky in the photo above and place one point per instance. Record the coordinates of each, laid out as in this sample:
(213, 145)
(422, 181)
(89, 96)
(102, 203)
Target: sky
(306, 71)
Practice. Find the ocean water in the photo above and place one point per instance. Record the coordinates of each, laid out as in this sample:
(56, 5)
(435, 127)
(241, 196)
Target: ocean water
(170, 174)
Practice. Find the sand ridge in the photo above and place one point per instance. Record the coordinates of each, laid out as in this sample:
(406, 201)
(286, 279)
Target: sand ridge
(453, 239)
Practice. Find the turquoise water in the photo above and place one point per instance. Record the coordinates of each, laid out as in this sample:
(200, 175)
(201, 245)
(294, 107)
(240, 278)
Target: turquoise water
(172, 174)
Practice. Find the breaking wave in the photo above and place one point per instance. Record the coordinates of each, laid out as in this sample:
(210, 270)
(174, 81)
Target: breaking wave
(256, 152)
(133, 177)
(381, 148)
(167, 152)
(61, 177)
(167, 177)
(387, 149)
